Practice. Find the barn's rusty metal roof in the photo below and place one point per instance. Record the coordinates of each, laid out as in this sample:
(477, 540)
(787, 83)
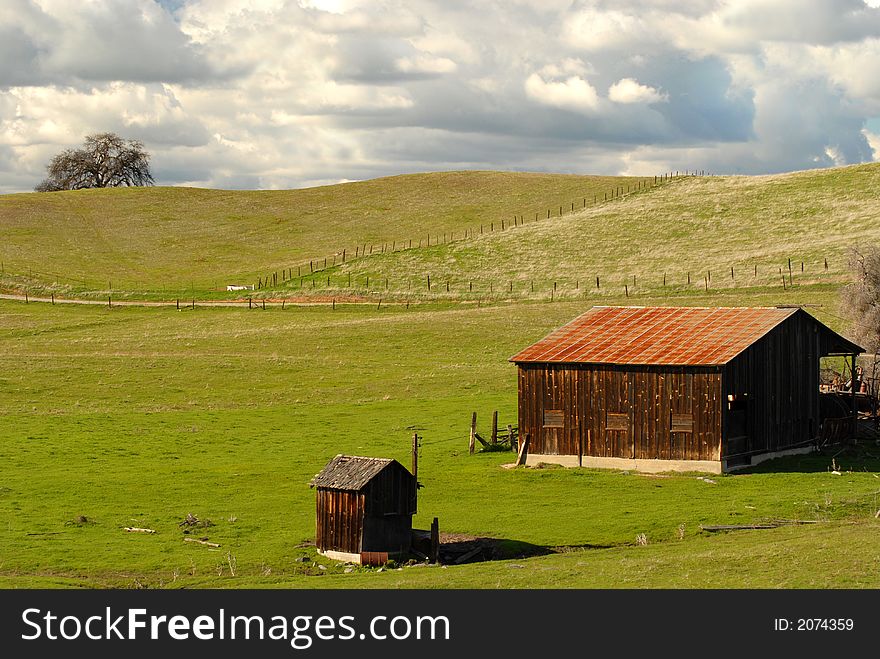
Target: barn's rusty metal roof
(672, 336)
(349, 472)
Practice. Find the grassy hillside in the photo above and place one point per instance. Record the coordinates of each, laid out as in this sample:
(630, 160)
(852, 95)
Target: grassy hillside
(179, 238)
(138, 416)
(703, 226)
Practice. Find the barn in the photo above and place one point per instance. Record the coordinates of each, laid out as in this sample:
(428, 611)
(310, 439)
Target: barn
(675, 388)
(364, 509)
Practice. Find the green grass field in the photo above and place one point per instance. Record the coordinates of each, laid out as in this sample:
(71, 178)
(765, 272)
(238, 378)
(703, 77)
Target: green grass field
(137, 416)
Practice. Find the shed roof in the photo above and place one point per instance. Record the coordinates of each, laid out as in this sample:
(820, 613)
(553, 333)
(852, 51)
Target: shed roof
(673, 336)
(350, 472)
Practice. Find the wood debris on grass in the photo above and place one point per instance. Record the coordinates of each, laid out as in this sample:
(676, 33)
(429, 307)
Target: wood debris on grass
(135, 529)
(771, 524)
(201, 541)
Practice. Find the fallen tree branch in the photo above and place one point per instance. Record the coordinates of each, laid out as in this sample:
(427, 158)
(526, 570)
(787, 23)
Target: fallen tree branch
(201, 542)
(738, 527)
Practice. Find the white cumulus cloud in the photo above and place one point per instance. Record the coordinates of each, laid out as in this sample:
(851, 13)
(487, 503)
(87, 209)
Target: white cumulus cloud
(629, 90)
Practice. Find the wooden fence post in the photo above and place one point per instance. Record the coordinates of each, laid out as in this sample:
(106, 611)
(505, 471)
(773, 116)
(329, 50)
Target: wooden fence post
(415, 459)
(473, 440)
(495, 427)
(510, 436)
(435, 541)
(523, 453)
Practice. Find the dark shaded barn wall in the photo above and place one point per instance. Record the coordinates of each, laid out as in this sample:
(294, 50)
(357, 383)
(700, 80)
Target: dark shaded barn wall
(602, 410)
(775, 386)
(376, 518)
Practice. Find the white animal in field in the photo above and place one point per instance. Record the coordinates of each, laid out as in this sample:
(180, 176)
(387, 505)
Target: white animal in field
(239, 288)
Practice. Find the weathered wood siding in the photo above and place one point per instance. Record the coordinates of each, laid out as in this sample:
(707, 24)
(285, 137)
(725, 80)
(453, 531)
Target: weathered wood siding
(642, 412)
(776, 382)
(339, 520)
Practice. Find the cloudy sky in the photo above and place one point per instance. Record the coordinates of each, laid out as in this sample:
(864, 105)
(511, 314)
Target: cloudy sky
(291, 93)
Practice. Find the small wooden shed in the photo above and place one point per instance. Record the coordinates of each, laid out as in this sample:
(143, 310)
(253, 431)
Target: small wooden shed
(675, 388)
(364, 509)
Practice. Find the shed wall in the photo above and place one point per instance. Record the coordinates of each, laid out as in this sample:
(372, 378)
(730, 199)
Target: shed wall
(339, 520)
(634, 412)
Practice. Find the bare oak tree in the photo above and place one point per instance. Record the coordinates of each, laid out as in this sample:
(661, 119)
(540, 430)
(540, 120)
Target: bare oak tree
(861, 299)
(105, 160)
(861, 303)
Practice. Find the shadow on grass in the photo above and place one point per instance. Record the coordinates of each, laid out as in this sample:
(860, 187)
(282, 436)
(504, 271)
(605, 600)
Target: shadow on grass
(862, 456)
(457, 549)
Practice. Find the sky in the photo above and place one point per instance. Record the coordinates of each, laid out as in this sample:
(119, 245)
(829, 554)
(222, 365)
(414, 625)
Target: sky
(268, 94)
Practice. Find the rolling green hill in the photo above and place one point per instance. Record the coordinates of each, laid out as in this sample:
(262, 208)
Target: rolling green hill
(697, 227)
(176, 239)
(677, 238)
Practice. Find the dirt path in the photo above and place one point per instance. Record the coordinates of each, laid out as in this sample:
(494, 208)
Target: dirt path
(184, 304)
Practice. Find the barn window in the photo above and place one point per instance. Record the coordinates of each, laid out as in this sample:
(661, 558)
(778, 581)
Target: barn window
(616, 421)
(682, 422)
(553, 418)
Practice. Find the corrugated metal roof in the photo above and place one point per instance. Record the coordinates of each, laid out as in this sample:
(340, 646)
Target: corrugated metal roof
(349, 472)
(673, 336)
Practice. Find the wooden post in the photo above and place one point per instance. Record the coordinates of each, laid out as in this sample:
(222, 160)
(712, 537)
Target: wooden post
(826, 263)
(415, 458)
(626, 290)
(429, 282)
(523, 451)
(109, 303)
(53, 298)
(379, 306)
(597, 283)
(334, 304)
(26, 301)
(250, 303)
(473, 440)
(855, 413)
(282, 304)
(435, 541)
(495, 427)
(178, 303)
(193, 303)
(264, 304)
(510, 436)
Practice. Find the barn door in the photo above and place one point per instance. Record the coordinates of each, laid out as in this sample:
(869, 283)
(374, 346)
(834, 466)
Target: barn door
(618, 421)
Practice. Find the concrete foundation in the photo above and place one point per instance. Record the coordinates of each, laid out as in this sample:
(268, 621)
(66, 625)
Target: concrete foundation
(625, 464)
(657, 466)
(343, 556)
